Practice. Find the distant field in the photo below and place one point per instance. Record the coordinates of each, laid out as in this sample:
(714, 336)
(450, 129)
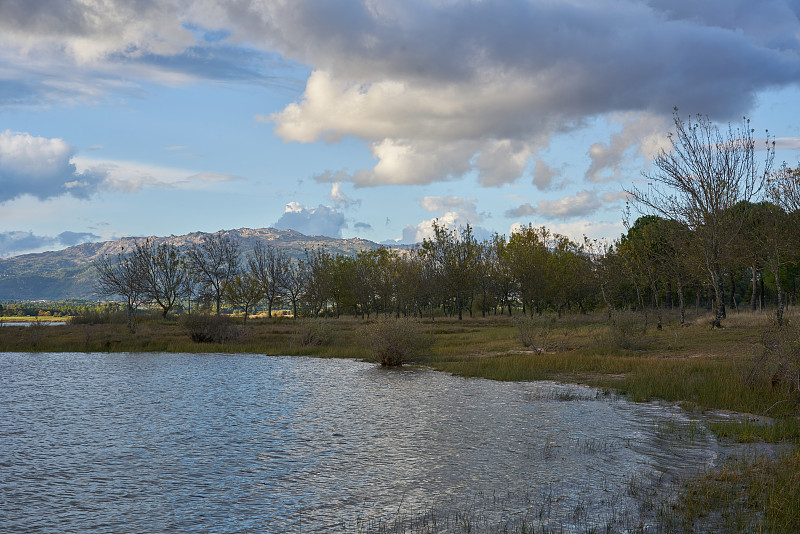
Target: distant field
(44, 319)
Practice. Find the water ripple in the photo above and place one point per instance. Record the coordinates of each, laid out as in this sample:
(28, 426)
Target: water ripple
(221, 443)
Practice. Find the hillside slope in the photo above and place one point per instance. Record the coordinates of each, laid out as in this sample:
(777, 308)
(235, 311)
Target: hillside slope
(69, 273)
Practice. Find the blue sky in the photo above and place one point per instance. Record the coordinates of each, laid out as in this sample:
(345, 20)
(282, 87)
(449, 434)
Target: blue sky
(365, 118)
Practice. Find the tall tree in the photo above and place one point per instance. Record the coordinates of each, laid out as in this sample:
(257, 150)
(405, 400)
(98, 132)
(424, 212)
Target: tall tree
(267, 265)
(697, 183)
(502, 273)
(164, 274)
(243, 291)
(295, 283)
(527, 247)
(770, 229)
(215, 261)
(783, 188)
(122, 275)
(454, 255)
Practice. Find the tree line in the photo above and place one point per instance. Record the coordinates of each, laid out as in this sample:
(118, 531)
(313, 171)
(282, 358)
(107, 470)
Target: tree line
(716, 226)
(451, 273)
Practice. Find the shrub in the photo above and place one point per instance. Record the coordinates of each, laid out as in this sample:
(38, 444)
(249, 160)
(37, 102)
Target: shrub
(777, 360)
(393, 342)
(313, 333)
(535, 331)
(628, 330)
(209, 328)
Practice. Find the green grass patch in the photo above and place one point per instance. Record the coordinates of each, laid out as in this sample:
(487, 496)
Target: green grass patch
(755, 494)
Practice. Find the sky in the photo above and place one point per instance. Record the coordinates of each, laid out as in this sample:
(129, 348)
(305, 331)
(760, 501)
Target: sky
(366, 118)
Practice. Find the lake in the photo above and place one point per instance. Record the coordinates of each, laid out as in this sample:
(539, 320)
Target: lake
(250, 443)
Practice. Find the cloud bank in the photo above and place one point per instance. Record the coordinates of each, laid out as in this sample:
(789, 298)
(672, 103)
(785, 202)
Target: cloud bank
(15, 243)
(436, 89)
(440, 89)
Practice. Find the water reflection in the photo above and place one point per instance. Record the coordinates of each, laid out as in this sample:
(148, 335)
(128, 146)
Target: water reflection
(177, 443)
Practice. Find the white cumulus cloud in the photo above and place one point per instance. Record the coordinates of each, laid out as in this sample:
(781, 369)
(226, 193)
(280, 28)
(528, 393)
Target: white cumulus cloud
(322, 220)
(42, 168)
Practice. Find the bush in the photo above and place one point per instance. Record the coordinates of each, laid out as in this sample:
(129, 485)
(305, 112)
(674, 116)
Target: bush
(777, 361)
(393, 342)
(209, 328)
(628, 330)
(313, 333)
(535, 331)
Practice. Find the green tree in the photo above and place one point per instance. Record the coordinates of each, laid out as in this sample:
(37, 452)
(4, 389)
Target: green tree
(243, 291)
(454, 254)
(527, 247)
(569, 274)
(502, 275)
(770, 229)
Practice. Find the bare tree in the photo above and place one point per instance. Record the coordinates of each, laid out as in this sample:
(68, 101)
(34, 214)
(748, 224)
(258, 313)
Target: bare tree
(121, 275)
(783, 188)
(295, 282)
(216, 262)
(699, 181)
(164, 274)
(268, 266)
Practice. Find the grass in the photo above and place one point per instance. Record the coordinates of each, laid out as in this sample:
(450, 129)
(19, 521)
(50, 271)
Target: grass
(756, 494)
(700, 368)
(40, 319)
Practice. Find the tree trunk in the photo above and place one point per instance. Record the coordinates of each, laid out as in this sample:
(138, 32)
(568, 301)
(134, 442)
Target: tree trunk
(131, 317)
(697, 303)
(657, 302)
(775, 268)
(755, 289)
(668, 294)
(719, 299)
(779, 311)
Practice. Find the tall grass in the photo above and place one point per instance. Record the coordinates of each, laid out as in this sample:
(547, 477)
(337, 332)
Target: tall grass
(746, 494)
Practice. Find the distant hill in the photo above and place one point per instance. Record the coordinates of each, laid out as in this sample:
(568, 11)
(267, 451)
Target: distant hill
(69, 273)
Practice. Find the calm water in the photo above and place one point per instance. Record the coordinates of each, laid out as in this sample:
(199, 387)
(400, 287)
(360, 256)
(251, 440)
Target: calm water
(220, 443)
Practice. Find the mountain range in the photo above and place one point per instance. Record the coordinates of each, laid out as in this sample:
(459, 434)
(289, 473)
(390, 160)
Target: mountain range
(70, 273)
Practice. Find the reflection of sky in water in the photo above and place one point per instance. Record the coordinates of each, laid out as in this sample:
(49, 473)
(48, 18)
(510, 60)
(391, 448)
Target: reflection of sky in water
(237, 443)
